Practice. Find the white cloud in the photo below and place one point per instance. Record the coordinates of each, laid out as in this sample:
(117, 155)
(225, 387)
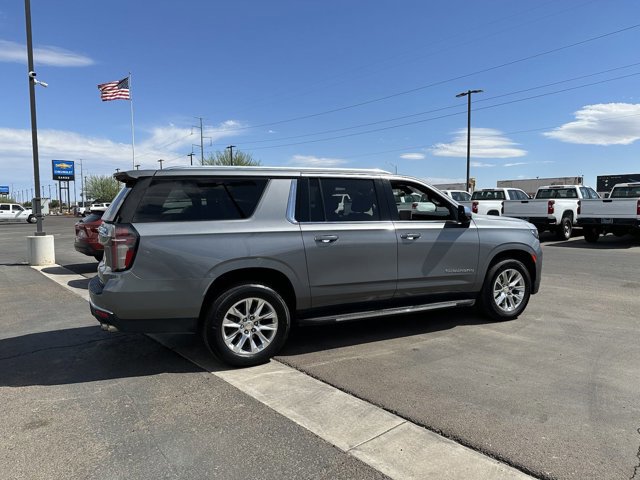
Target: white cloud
(485, 143)
(482, 165)
(413, 156)
(312, 161)
(101, 156)
(515, 164)
(45, 55)
(601, 124)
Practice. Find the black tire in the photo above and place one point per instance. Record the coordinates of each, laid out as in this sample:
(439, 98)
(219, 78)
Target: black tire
(245, 298)
(99, 256)
(591, 234)
(494, 213)
(32, 219)
(502, 308)
(564, 230)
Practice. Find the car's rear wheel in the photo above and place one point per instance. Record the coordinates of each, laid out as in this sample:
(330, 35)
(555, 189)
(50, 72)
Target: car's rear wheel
(247, 325)
(565, 228)
(506, 290)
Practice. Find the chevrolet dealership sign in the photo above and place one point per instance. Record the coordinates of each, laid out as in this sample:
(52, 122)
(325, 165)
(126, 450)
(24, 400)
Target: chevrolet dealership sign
(63, 170)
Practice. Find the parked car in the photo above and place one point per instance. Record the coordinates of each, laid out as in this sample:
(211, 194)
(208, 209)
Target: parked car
(238, 254)
(555, 208)
(489, 201)
(99, 207)
(619, 213)
(458, 195)
(87, 235)
(14, 212)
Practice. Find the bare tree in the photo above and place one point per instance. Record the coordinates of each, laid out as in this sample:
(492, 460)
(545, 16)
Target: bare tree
(240, 158)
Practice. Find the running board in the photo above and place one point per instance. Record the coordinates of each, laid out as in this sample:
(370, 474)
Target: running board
(388, 312)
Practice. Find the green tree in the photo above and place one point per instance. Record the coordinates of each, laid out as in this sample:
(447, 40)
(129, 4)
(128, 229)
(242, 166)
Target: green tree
(102, 188)
(240, 158)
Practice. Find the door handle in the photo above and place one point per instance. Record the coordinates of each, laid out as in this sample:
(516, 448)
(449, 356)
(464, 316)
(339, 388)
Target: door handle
(410, 236)
(325, 238)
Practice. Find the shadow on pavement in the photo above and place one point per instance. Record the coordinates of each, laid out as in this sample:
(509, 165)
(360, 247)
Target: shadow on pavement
(85, 354)
(83, 268)
(607, 242)
(308, 339)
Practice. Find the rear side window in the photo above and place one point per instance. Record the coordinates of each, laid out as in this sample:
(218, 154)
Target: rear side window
(194, 199)
(626, 192)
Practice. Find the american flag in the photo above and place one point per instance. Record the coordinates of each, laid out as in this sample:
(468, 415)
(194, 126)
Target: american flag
(118, 90)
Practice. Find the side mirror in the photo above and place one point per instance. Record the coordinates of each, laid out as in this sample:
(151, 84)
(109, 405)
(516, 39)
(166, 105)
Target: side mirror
(464, 215)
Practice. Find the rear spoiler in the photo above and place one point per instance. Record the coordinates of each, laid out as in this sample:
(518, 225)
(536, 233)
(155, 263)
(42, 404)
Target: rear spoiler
(130, 177)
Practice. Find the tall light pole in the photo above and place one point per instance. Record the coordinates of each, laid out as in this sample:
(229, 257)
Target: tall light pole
(34, 126)
(160, 161)
(190, 155)
(468, 95)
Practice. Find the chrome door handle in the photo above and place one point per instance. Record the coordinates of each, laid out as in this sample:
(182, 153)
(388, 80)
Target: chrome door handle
(325, 238)
(410, 236)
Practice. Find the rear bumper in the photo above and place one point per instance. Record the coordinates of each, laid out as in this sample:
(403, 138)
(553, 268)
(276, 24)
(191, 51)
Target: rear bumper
(101, 310)
(610, 222)
(540, 221)
(88, 248)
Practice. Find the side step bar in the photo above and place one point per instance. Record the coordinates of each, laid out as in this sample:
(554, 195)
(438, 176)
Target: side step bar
(388, 312)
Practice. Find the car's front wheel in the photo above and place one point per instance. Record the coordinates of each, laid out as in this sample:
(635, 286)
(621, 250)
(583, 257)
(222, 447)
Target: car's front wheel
(247, 325)
(506, 290)
(31, 219)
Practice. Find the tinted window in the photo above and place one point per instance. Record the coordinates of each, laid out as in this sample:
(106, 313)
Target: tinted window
(17, 208)
(460, 196)
(626, 192)
(557, 193)
(193, 199)
(5, 207)
(488, 195)
(339, 200)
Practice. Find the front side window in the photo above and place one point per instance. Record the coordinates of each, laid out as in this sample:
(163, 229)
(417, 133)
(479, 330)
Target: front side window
(460, 196)
(194, 199)
(416, 202)
(17, 208)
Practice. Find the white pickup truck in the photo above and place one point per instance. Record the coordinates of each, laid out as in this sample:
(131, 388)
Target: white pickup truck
(488, 201)
(14, 212)
(618, 214)
(555, 208)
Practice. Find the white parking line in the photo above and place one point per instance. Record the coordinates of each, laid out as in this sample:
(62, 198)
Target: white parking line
(386, 442)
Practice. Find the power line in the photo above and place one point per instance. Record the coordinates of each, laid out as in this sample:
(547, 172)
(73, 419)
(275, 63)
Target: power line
(448, 107)
(441, 82)
(448, 115)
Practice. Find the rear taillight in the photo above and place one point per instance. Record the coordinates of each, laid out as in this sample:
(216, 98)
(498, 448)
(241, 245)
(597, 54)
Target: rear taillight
(638, 207)
(579, 206)
(502, 208)
(474, 207)
(123, 245)
(550, 208)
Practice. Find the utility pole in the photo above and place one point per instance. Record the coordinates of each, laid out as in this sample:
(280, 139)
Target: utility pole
(137, 165)
(190, 155)
(161, 160)
(83, 194)
(468, 95)
(230, 148)
(117, 170)
(202, 137)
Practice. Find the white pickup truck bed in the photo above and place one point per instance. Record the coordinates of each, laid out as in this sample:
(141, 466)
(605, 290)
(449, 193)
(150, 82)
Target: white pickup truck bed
(619, 214)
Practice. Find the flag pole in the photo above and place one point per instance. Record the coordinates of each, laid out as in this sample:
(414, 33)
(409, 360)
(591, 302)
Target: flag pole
(133, 138)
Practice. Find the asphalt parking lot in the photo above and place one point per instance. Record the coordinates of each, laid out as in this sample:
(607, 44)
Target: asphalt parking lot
(553, 393)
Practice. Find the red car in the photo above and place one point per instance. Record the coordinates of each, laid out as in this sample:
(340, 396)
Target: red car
(87, 235)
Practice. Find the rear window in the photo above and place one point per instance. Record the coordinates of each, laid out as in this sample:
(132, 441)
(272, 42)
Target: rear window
(195, 199)
(460, 196)
(488, 195)
(557, 193)
(110, 214)
(92, 217)
(626, 192)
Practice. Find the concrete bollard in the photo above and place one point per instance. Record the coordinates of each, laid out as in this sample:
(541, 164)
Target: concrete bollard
(40, 250)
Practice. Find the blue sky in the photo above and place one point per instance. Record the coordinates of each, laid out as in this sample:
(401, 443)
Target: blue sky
(329, 83)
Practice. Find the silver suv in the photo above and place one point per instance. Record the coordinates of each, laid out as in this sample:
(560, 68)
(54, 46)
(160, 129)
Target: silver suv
(237, 254)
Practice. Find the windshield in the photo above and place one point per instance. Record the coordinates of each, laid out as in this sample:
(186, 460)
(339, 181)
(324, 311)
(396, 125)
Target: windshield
(488, 195)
